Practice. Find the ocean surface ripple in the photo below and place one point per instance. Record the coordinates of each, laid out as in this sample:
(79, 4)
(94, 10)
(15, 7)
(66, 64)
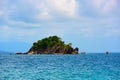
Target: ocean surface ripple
(60, 67)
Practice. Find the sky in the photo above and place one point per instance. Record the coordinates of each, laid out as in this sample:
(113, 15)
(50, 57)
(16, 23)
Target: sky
(91, 25)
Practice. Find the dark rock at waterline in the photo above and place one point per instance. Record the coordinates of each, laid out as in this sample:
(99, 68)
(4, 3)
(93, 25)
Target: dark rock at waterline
(19, 53)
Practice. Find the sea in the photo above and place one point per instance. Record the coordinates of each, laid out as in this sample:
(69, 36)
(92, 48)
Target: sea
(91, 66)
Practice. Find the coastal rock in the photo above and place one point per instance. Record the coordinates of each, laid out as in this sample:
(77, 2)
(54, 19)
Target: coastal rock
(52, 45)
(19, 53)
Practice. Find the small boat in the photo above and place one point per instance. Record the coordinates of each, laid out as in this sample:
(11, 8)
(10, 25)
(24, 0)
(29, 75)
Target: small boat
(107, 52)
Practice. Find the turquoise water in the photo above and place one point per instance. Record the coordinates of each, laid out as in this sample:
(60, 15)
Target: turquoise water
(60, 67)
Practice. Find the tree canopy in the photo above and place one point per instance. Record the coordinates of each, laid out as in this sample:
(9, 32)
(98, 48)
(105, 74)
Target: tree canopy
(50, 42)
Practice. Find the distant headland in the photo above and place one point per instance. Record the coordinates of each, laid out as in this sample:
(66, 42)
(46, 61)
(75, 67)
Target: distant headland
(51, 45)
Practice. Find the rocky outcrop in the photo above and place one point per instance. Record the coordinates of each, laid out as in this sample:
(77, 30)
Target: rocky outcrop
(54, 50)
(52, 45)
(19, 53)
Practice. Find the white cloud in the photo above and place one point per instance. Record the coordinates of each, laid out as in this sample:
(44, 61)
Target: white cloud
(44, 15)
(104, 6)
(109, 6)
(27, 35)
(113, 32)
(5, 31)
(1, 13)
(66, 7)
(53, 8)
(8, 31)
(22, 23)
(97, 3)
(12, 33)
(48, 9)
(42, 10)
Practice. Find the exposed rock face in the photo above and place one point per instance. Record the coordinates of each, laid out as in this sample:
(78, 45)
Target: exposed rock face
(52, 45)
(53, 51)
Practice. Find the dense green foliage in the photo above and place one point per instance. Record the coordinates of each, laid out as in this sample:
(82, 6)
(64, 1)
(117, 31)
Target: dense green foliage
(50, 42)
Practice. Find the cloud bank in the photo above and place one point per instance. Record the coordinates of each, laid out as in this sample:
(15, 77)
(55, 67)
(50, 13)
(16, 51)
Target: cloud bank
(60, 17)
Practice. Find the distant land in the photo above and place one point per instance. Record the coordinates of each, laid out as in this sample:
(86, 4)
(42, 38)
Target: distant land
(5, 52)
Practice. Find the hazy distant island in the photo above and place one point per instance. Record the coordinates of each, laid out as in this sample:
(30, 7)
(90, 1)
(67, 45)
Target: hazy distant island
(51, 45)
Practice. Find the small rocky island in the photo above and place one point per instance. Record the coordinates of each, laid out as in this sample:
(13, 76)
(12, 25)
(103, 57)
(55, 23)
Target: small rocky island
(52, 45)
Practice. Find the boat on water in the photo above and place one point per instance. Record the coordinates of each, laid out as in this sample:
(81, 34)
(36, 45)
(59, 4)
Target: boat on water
(107, 52)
